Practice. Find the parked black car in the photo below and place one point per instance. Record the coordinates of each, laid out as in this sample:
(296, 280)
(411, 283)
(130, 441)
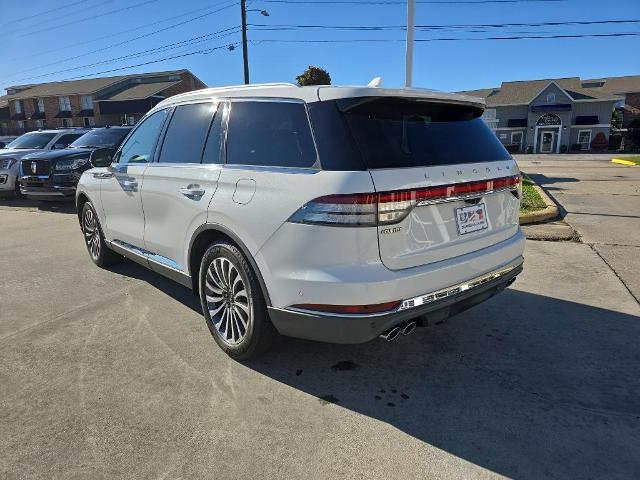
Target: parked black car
(54, 175)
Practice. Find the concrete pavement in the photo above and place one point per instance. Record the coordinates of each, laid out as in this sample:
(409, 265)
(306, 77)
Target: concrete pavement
(113, 374)
(600, 200)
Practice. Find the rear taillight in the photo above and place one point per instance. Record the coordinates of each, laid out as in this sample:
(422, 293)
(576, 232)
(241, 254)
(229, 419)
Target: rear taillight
(385, 208)
(353, 210)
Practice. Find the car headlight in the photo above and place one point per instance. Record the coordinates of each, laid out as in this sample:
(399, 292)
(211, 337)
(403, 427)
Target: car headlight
(72, 163)
(7, 163)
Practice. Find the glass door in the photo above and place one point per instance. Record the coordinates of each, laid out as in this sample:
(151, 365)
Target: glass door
(546, 142)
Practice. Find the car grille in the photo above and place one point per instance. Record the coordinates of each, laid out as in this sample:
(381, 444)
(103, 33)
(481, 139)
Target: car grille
(42, 167)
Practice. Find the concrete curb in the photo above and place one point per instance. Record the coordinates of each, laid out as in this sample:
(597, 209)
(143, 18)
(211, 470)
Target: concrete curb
(548, 213)
(622, 161)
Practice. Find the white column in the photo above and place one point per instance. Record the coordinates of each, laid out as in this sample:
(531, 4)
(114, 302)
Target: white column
(411, 10)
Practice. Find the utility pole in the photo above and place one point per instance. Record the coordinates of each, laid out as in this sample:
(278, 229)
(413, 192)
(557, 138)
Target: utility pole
(411, 11)
(245, 53)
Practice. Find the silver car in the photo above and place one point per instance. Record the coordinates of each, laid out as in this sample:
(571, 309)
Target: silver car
(42, 140)
(338, 214)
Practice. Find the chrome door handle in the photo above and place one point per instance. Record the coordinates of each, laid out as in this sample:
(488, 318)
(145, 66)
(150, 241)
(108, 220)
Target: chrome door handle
(192, 191)
(103, 175)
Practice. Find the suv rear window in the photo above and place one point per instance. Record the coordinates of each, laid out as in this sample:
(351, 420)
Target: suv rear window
(400, 133)
(270, 134)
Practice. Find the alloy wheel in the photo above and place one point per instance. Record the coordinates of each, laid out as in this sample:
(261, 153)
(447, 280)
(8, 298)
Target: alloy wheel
(227, 301)
(91, 233)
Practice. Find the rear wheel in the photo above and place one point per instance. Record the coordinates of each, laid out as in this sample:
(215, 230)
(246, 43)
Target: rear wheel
(233, 304)
(101, 255)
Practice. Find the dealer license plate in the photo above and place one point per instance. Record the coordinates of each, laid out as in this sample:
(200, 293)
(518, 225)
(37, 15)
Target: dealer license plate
(471, 219)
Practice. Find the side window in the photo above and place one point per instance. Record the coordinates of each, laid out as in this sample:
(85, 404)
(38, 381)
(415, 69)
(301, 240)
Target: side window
(186, 134)
(214, 150)
(270, 134)
(67, 139)
(139, 147)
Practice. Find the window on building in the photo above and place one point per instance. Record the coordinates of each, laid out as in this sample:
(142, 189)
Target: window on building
(65, 104)
(551, 98)
(17, 105)
(128, 119)
(584, 139)
(41, 123)
(89, 122)
(270, 134)
(40, 105)
(186, 134)
(516, 138)
(86, 102)
(67, 122)
(489, 117)
(140, 146)
(21, 124)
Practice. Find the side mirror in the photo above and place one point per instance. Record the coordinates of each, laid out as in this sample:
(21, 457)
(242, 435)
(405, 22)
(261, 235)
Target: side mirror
(59, 146)
(101, 158)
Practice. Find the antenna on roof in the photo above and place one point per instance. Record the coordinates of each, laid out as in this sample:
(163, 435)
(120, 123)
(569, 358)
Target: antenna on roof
(376, 82)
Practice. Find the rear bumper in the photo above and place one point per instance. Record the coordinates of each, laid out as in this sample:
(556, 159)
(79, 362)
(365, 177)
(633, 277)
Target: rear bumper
(362, 328)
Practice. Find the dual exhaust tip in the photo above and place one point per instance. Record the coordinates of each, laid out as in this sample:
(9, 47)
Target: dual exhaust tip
(404, 329)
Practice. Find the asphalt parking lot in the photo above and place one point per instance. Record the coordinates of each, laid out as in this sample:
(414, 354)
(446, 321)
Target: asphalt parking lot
(113, 374)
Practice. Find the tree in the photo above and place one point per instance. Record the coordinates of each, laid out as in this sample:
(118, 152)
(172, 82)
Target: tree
(616, 119)
(314, 76)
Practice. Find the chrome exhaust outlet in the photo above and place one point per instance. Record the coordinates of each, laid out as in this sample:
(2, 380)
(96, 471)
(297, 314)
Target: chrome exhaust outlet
(408, 328)
(391, 334)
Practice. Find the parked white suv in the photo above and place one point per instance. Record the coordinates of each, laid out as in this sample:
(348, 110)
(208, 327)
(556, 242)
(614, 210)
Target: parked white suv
(31, 142)
(337, 214)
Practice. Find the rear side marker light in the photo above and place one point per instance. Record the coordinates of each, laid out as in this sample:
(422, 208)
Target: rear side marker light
(385, 208)
(349, 309)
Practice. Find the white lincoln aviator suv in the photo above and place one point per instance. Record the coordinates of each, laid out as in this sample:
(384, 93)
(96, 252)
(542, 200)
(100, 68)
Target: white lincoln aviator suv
(338, 214)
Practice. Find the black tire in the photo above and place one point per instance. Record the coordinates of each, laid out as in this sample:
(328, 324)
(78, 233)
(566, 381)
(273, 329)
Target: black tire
(98, 250)
(17, 191)
(255, 336)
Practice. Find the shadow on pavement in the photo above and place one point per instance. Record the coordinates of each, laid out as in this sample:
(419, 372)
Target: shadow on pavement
(56, 206)
(524, 385)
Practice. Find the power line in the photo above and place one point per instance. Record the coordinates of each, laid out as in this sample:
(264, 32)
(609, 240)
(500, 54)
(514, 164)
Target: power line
(451, 39)
(91, 17)
(203, 52)
(399, 2)
(267, 27)
(188, 42)
(44, 12)
(64, 15)
(115, 34)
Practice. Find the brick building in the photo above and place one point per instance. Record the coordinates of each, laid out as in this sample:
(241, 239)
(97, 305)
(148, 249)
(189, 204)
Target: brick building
(90, 102)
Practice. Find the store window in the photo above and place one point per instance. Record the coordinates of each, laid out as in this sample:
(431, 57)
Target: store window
(584, 139)
(65, 104)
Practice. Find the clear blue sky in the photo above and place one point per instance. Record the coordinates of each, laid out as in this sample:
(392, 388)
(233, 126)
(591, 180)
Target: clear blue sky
(41, 36)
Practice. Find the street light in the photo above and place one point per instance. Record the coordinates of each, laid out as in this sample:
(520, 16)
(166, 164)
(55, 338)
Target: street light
(245, 53)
